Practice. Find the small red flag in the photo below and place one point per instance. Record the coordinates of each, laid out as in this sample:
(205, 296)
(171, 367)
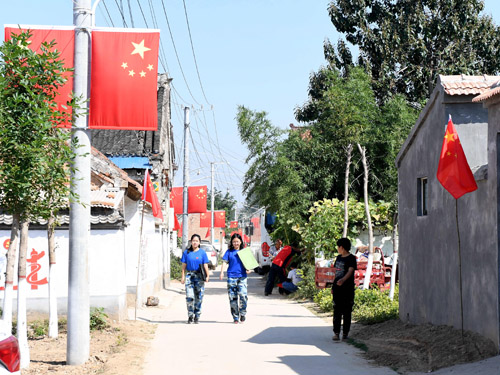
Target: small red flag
(197, 199)
(149, 195)
(176, 198)
(205, 219)
(233, 224)
(65, 44)
(177, 226)
(453, 171)
(220, 219)
(208, 233)
(123, 85)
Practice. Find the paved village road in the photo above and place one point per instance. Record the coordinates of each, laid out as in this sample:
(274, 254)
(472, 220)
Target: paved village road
(280, 337)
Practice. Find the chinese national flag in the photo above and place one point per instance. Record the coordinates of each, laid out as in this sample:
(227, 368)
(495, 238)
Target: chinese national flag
(64, 38)
(177, 226)
(453, 171)
(205, 219)
(219, 219)
(124, 80)
(197, 199)
(176, 198)
(208, 233)
(149, 195)
(233, 224)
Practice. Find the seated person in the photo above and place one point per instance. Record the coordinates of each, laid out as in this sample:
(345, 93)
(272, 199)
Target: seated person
(292, 281)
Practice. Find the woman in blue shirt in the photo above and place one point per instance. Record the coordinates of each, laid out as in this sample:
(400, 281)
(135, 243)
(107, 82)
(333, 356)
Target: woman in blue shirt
(192, 259)
(236, 279)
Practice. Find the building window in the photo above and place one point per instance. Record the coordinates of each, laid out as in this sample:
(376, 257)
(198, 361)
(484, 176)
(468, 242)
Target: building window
(422, 196)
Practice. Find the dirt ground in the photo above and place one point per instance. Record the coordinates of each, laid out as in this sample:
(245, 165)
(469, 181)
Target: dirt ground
(424, 348)
(118, 350)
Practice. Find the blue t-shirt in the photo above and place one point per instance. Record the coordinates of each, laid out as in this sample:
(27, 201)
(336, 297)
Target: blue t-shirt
(236, 267)
(193, 259)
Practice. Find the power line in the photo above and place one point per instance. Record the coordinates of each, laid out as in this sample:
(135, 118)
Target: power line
(121, 12)
(107, 11)
(194, 55)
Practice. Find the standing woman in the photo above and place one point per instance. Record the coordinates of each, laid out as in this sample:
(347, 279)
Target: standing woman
(191, 260)
(236, 279)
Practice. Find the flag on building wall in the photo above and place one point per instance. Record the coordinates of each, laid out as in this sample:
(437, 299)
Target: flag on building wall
(233, 224)
(197, 199)
(176, 198)
(149, 195)
(123, 84)
(64, 38)
(453, 171)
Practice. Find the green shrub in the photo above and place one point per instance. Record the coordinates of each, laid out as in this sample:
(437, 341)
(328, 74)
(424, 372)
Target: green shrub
(374, 306)
(175, 267)
(38, 328)
(307, 287)
(98, 319)
(324, 300)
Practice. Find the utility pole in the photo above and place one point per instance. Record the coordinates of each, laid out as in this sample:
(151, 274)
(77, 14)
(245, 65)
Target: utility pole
(78, 341)
(185, 216)
(212, 205)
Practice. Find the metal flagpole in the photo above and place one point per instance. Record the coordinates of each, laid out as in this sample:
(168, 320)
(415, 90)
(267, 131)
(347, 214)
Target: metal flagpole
(212, 205)
(78, 341)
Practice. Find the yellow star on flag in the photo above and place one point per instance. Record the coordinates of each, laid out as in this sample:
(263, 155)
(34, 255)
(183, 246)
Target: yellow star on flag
(140, 48)
(124, 65)
(131, 73)
(449, 136)
(142, 74)
(150, 67)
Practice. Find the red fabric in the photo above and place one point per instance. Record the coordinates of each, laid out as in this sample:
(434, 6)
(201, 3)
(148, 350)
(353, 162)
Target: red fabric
(208, 233)
(256, 222)
(220, 219)
(65, 44)
(282, 255)
(179, 232)
(453, 171)
(176, 198)
(123, 84)
(177, 226)
(197, 199)
(149, 195)
(233, 224)
(205, 219)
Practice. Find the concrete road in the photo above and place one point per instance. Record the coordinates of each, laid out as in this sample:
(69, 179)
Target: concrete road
(280, 337)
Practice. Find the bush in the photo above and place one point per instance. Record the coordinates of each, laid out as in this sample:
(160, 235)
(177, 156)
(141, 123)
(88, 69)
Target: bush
(38, 328)
(374, 306)
(98, 319)
(324, 300)
(175, 267)
(307, 287)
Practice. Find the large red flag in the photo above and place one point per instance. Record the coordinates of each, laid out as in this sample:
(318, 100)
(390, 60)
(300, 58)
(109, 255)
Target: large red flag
(453, 171)
(220, 219)
(124, 80)
(197, 199)
(176, 198)
(65, 44)
(149, 195)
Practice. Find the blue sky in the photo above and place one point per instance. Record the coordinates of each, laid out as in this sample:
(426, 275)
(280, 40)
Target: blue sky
(256, 53)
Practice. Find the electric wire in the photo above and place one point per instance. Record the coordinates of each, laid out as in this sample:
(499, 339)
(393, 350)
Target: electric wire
(121, 12)
(130, 13)
(107, 11)
(194, 55)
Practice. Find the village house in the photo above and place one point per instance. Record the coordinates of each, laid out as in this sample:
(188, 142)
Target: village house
(116, 212)
(430, 289)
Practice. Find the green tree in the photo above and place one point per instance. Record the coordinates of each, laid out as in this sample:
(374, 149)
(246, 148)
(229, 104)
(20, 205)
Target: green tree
(405, 44)
(34, 153)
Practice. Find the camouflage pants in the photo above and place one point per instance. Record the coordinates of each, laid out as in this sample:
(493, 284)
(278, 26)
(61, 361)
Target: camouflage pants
(237, 287)
(195, 289)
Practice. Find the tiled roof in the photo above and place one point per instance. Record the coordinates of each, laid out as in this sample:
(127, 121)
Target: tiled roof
(494, 90)
(467, 85)
(113, 218)
(107, 198)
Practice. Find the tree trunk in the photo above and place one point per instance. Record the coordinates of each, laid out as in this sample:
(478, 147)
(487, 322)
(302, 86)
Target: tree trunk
(369, 265)
(53, 326)
(395, 242)
(346, 191)
(9, 274)
(22, 290)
